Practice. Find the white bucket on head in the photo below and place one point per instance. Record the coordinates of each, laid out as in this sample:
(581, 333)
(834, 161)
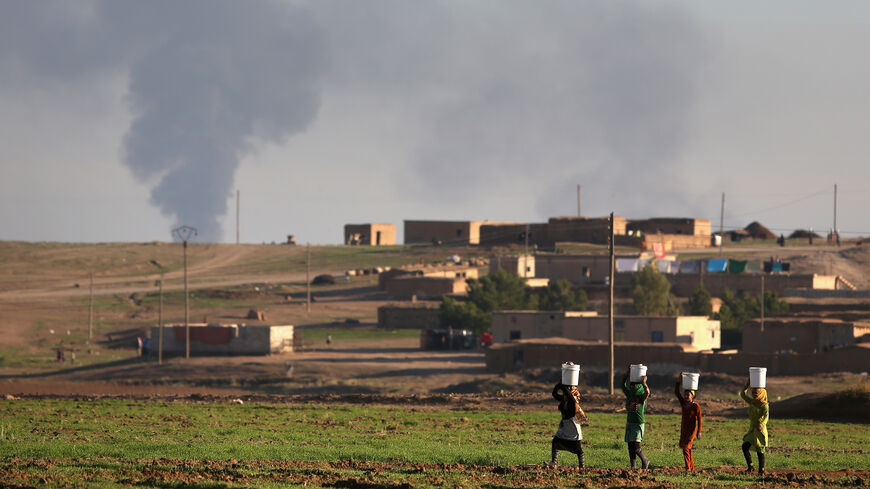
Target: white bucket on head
(570, 374)
(758, 377)
(638, 372)
(690, 381)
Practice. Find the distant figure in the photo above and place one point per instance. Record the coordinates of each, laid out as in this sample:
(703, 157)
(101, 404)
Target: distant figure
(781, 240)
(329, 339)
(60, 355)
(139, 345)
(146, 347)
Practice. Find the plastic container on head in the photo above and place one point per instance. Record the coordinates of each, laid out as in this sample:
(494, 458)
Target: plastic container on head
(570, 374)
(690, 381)
(758, 377)
(637, 373)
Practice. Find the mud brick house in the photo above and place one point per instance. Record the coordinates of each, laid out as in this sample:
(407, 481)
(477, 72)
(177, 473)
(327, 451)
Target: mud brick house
(224, 339)
(801, 335)
(693, 332)
(370, 234)
(521, 265)
(455, 233)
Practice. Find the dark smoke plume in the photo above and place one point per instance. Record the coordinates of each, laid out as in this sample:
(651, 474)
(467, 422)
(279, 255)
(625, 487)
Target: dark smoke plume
(206, 79)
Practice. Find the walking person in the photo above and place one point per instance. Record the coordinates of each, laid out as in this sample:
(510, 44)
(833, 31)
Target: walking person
(759, 412)
(569, 435)
(690, 427)
(636, 395)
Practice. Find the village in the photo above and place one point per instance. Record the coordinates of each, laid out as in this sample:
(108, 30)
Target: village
(817, 322)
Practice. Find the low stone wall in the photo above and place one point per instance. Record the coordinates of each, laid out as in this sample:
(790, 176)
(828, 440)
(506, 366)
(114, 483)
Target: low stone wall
(827, 294)
(519, 355)
(677, 241)
(225, 340)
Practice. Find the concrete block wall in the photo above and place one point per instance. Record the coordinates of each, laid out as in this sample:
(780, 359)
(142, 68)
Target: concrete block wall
(515, 356)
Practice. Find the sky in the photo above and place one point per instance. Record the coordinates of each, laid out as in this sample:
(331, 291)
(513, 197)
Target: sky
(120, 120)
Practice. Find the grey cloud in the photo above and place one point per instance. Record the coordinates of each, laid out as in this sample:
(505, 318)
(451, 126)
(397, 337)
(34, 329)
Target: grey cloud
(536, 92)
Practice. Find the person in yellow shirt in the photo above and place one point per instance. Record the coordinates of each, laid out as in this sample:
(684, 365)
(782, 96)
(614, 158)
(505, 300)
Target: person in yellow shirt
(759, 413)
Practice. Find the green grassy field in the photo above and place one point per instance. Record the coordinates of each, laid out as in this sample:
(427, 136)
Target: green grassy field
(116, 443)
(317, 336)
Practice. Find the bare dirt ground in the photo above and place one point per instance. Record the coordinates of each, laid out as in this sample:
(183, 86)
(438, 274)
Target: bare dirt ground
(371, 475)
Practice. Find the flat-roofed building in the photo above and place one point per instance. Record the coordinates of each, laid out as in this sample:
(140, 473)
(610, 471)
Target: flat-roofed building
(801, 335)
(584, 229)
(519, 265)
(369, 234)
(445, 232)
(695, 332)
(415, 286)
(672, 225)
(224, 339)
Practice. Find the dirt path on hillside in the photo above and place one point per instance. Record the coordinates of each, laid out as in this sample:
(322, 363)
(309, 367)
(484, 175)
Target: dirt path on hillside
(201, 275)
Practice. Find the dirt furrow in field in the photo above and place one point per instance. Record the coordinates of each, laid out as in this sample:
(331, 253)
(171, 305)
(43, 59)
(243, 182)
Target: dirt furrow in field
(399, 474)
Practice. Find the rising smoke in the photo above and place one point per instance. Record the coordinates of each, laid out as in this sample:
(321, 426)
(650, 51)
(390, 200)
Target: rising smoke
(517, 101)
(508, 104)
(207, 78)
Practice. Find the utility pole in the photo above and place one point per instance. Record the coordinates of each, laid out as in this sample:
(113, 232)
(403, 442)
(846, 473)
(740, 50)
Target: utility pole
(185, 233)
(836, 234)
(238, 197)
(610, 306)
(526, 257)
(160, 323)
(722, 224)
(91, 313)
(762, 302)
(578, 201)
(308, 278)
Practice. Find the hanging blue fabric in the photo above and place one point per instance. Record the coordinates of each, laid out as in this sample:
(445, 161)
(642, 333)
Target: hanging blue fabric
(717, 265)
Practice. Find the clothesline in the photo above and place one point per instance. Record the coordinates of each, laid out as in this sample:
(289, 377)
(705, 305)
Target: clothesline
(713, 265)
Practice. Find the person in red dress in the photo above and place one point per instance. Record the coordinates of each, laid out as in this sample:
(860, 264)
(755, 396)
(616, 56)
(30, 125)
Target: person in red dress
(690, 427)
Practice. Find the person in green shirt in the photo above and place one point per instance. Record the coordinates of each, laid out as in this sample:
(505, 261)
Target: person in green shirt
(636, 395)
(759, 413)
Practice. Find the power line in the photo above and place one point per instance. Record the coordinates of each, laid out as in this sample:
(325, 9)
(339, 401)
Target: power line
(780, 206)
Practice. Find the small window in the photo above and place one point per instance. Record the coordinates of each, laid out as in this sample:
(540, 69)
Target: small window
(619, 336)
(586, 272)
(619, 323)
(657, 337)
(712, 334)
(458, 232)
(515, 335)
